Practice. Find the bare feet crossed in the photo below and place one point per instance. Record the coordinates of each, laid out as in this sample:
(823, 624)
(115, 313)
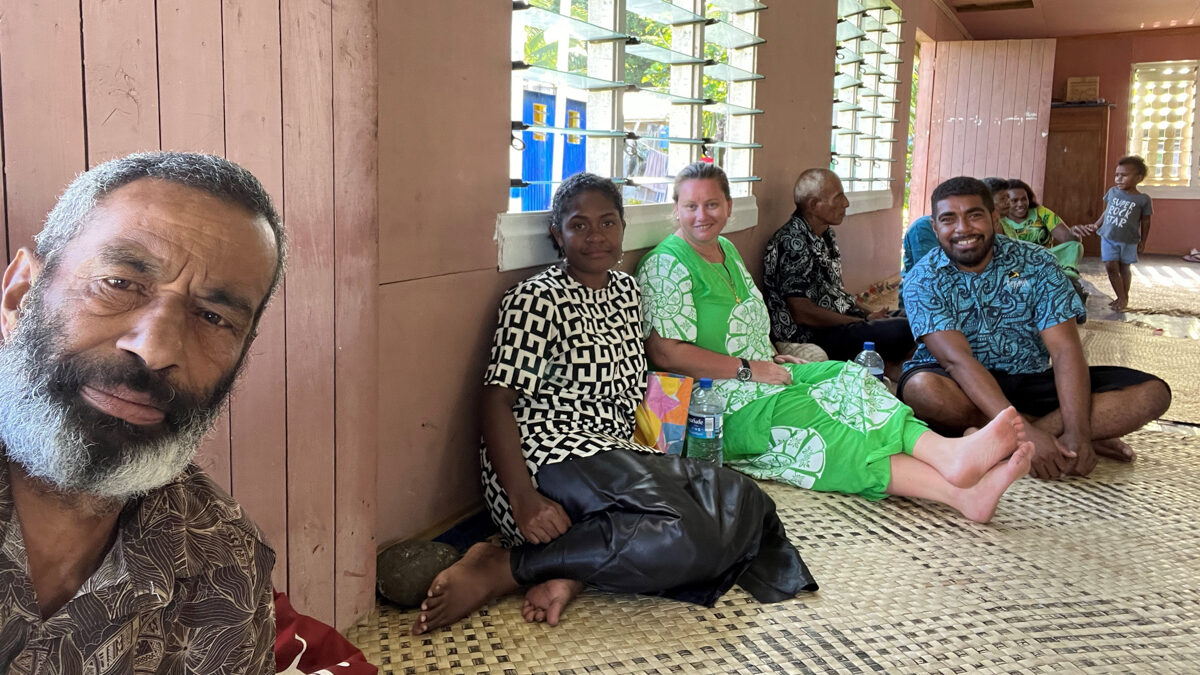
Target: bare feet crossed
(965, 461)
(547, 600)
(979, 501)
(482, 575)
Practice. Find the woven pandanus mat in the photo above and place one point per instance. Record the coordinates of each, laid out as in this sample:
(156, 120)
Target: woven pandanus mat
(1096, 574)
(1175, 360)
(1171, 288)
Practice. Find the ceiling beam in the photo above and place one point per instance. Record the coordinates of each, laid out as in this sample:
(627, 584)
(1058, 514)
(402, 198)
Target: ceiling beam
(953, 18)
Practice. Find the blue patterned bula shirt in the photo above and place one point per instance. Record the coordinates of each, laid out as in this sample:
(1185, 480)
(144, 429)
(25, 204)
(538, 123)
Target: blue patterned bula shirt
(1001, 311)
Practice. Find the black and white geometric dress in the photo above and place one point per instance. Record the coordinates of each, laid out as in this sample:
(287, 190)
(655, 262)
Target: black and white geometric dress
(575, 356)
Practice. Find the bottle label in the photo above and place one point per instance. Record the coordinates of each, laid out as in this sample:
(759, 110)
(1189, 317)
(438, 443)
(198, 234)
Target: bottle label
(704, 426)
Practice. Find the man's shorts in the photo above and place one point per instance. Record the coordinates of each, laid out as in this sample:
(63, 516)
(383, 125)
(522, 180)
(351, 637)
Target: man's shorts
(1111, 251)
(1034, 393)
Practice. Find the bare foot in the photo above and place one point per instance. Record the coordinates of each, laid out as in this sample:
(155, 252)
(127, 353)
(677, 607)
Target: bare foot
(1114, 448)
(1119, 305)
(547, 600)
(482, 575)
(979, 502)
(964, 461)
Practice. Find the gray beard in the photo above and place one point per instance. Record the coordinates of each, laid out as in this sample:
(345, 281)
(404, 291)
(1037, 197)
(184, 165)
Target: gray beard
(42, 435)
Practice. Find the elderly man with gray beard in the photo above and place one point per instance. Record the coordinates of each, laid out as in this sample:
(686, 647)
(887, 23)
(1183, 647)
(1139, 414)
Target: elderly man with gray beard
(122, 336)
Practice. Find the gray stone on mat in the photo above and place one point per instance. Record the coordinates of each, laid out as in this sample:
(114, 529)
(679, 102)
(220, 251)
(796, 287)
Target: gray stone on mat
(405, 570)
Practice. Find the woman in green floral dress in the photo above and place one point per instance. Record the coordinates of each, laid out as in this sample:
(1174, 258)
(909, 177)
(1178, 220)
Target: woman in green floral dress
(826, 426)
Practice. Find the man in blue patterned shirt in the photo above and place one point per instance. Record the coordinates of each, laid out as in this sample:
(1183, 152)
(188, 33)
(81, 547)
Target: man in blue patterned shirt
(990, 314)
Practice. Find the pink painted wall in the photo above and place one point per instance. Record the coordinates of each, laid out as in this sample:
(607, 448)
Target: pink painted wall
(1175, 226)
(443, 168)
(794, 131)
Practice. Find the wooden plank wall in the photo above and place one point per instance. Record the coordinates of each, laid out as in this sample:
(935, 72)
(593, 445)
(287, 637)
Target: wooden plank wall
(287, 89)
(989, 113)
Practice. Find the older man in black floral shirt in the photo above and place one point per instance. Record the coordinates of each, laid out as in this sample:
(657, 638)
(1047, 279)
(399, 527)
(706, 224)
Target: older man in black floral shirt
(123, 333)
(802, 272)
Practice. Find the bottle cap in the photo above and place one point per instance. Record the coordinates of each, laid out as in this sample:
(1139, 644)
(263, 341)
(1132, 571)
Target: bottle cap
(706, 383)
(868, 346)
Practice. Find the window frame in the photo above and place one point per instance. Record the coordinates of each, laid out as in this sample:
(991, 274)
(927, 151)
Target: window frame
(522, 236)
(851, 17)
(1192, 190)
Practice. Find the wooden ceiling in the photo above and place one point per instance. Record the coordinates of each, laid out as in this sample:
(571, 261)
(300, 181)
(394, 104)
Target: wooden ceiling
(1003, 19)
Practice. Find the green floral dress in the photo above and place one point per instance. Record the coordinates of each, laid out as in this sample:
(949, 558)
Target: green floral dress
(832, 429)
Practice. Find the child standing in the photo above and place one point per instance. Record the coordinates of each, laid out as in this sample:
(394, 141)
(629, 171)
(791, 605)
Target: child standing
(1123, 227)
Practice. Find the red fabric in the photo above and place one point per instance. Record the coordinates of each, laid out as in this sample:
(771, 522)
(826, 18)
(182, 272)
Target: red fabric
(305, 646)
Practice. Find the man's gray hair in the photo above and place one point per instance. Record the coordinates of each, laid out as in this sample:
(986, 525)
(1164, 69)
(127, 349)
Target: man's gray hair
(215, 175)
(808, 186)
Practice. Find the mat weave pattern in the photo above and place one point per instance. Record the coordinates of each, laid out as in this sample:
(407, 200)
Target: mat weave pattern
(1175, 360)
(1169, 289)
(1097, 574)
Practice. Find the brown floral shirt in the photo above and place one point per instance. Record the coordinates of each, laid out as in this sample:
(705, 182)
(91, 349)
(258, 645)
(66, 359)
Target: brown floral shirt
(185, 588)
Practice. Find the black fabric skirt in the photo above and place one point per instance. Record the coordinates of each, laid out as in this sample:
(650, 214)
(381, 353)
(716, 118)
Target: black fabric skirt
(663, 525)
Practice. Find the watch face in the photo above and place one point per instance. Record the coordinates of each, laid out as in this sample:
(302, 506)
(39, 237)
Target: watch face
(743, 374)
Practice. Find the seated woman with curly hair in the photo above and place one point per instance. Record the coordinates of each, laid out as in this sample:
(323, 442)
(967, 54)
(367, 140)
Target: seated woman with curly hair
(576, 501)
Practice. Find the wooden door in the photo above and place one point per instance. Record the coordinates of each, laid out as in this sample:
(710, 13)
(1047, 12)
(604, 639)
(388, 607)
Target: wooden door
(987, 115)
(1076, 171)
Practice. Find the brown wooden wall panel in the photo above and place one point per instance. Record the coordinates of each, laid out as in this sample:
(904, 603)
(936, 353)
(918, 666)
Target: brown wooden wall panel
(1007, 107)
(997, 53)
(292, 98)
(41, 69)
(254, 138)
(192, 117)
(191, 83)
(120, 77)
(1041, 130)
(356, 165)
(989, 113)
(958, 157)
(306, 35)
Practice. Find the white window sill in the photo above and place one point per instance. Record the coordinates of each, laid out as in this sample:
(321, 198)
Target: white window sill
(1163, 192)
(523, 239)
(867, 201)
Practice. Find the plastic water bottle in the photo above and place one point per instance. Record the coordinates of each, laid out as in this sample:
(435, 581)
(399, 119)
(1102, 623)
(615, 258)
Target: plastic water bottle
(871, 360)
(704, 423)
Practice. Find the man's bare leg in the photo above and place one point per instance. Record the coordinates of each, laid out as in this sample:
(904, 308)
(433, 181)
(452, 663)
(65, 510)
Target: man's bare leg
(482, 575)
(913, 478)
(940, 402)
(1116, 413)
(547, 600)
(964, 461)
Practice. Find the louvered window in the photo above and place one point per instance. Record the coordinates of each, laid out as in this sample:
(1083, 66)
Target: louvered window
(630, 89)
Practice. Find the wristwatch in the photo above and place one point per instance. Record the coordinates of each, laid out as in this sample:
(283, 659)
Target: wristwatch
(743, 373)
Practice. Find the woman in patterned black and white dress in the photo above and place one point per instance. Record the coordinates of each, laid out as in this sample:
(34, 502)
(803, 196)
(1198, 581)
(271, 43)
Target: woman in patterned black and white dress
(577, 502)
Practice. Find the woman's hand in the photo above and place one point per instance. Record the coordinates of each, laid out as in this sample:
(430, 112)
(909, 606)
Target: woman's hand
(1084, 230)
(768, 372)
(539, 518)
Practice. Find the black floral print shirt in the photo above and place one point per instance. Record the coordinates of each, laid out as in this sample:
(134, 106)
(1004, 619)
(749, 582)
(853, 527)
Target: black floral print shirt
(186, 588)
(798, 263)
